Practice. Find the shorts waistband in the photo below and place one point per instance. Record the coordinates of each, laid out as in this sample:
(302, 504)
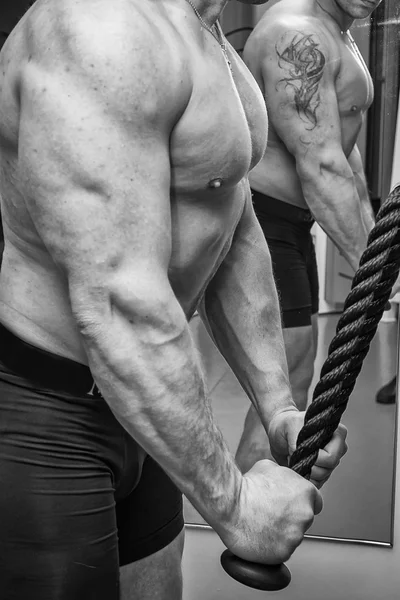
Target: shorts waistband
(44, 368)
(265, 205)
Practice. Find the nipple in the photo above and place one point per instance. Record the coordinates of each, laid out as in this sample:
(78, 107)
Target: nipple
(354, 108)
(215, 183)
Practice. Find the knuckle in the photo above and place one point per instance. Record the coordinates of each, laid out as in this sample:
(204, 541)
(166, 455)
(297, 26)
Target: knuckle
(309, 518)
(286, 554)
(286, 549)
(295, 538)
(331, 461)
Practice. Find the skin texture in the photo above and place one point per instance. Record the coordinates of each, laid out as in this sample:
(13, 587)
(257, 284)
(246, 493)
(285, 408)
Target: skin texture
(317, 90)
(299, 55)
(114, 236)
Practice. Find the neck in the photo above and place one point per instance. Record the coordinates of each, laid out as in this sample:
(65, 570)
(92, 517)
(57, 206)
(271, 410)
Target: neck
(330, 7)
(210, 10)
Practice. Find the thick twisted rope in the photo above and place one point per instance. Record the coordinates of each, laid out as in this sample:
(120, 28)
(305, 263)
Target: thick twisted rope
(363, 309)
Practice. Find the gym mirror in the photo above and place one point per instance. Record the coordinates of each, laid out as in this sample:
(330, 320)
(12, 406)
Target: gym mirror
(358, 499)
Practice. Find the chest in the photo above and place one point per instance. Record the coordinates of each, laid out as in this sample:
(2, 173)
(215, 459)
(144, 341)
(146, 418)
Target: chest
(223, 132)
(354, 85)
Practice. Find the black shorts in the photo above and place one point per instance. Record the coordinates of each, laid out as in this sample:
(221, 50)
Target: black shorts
(78, 496)
(287, 229)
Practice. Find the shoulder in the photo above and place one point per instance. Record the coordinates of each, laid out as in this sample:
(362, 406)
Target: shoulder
(124, 52)
(292, 38)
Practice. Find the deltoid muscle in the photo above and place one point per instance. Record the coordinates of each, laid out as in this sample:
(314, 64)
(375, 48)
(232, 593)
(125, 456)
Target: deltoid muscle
(301, 58)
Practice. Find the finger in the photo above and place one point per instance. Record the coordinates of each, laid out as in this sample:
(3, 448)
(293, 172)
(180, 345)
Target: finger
(319, 477)
(330, 456)
(330, 460)
(341, 431)
(318, 502)
(319, 484)
(319, 474)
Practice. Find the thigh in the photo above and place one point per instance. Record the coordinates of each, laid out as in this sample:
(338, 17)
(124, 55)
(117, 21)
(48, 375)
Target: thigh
(158, 576)
(150, 529)
(58, 535)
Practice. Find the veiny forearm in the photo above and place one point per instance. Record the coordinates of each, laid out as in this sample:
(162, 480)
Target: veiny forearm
(145, 365)
(331, 193)
(241, 309)
(366, 206)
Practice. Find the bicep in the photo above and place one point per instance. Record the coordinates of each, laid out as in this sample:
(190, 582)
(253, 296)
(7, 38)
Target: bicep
(300, 93)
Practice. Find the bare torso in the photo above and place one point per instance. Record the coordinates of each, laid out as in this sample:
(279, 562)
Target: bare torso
(276, 174)
(220, 135)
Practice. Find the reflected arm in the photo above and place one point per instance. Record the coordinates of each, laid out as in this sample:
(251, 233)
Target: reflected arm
(241, 311)
(355, 162)
(299, 80)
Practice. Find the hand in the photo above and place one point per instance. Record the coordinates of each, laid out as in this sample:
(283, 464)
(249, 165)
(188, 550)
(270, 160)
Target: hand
(395, 288)
(275, 508)
(283, 432)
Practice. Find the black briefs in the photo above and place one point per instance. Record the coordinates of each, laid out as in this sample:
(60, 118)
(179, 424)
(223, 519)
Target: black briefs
(287, 230)
(79, 497)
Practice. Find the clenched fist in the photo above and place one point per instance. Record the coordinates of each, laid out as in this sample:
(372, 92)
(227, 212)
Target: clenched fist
(275, 508)
(283, 432)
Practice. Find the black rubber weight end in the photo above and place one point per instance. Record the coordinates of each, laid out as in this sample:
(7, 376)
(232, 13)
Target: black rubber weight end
(269, 578)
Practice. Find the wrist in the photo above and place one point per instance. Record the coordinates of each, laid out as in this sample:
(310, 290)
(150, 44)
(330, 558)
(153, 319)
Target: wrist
(226, 519)
(268, 411)
(281, 413)
(279, 417)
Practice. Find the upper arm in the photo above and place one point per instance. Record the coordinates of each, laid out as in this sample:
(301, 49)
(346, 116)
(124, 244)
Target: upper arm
(299, 80)
(94, 157)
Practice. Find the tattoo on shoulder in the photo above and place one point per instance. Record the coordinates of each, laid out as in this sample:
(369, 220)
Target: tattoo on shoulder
(302, 60)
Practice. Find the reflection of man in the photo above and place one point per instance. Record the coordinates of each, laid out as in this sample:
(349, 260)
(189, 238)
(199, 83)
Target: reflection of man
(317, 89)
(126, 137)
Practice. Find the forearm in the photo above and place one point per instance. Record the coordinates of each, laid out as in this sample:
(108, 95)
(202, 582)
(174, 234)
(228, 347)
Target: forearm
(241, 309)
(332, 196)
(149, 375)
(363, 194)
(356, 165)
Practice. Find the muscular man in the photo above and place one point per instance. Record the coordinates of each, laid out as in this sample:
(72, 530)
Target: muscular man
(127, 132)
(317, 89)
